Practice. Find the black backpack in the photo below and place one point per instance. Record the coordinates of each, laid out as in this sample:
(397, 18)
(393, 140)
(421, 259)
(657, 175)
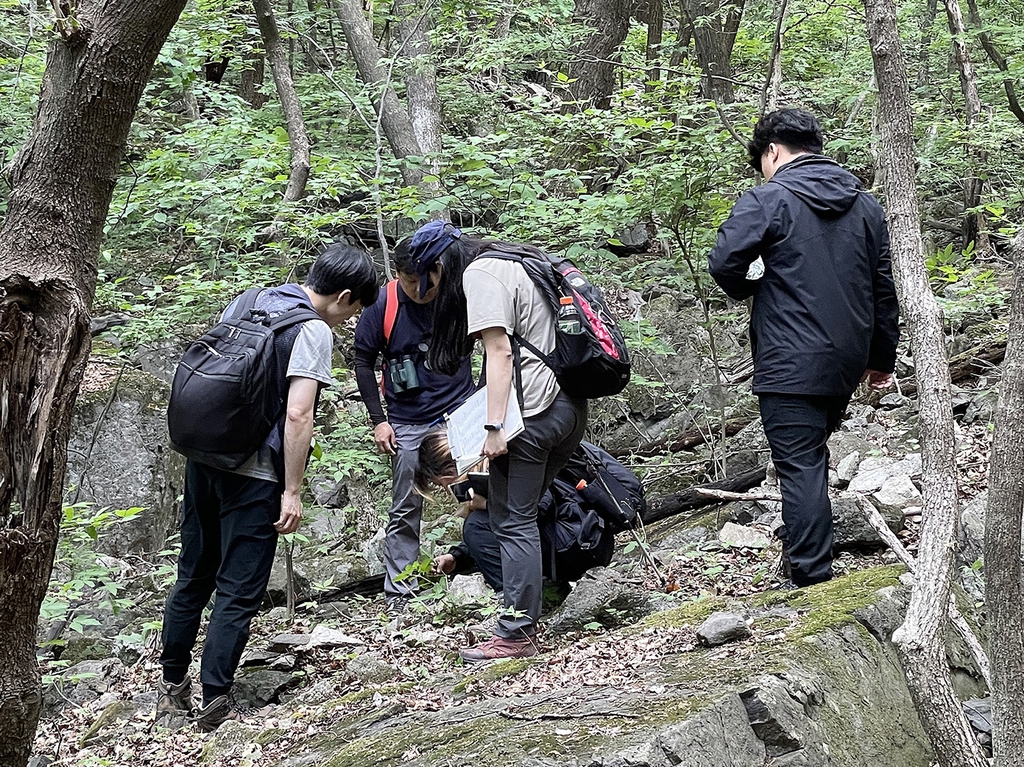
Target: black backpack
(610, 489)
(594, 363)
(226, 395)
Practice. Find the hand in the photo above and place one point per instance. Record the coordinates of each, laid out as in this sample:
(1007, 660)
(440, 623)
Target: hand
(291, 513)
(444, 563)
(495, 444)
(876, 380)
(385, 438)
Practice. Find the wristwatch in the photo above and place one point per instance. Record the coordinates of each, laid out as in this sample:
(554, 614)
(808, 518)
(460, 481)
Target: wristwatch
(494, 426)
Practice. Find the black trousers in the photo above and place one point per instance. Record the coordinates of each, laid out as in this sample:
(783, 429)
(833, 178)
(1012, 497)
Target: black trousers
(516, 483)
(227, 546)
(798, 428)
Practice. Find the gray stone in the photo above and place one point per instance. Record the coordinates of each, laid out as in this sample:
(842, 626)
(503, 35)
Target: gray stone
(871, 474)
(283, 643)
(982, 409)
(852, 528)
(113, 713)
(277, 586)
(258, 687)
(159, 359)
(847, 467)
(722, 627)
(370, 670)
(892, 401)
(470, 589)
(911, 464)
(896, 494)
(80, 647)
(972, 530)
(323, 636)
(738, 536)
(231, 740)
(82, 683)
(118, 456)
(373, 552)
(604, 596)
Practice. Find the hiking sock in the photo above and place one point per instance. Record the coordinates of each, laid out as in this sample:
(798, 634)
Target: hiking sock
(212, 692)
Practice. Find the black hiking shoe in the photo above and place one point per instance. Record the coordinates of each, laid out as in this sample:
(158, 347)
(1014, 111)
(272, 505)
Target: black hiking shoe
(214, 714)
(173, 699)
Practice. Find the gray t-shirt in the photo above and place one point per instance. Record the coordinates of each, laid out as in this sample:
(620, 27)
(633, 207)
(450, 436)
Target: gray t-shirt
(500, 294)
(311, 357)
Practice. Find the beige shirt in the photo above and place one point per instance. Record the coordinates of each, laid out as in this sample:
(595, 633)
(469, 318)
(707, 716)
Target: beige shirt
(500, 294)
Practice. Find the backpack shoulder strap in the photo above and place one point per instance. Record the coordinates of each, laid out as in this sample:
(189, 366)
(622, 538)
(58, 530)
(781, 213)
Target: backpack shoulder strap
(244, 304)
(390, 310)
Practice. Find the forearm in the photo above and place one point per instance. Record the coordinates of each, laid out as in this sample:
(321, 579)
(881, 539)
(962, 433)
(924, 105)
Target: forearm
(499, 380)
(369, 391)
(298, 431)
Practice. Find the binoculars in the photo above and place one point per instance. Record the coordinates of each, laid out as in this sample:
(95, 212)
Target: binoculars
(403, 374)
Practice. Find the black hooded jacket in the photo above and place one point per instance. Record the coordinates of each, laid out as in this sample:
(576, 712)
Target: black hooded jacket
(825, 310)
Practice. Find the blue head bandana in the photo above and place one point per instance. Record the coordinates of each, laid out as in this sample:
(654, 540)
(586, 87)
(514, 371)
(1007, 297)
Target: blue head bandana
(430, 241)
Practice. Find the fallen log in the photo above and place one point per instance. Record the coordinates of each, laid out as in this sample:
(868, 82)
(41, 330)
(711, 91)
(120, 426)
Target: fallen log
(964, 365)
(693, 498)
(685, 441)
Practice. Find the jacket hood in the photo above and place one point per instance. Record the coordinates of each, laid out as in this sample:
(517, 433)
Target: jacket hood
(826, 188)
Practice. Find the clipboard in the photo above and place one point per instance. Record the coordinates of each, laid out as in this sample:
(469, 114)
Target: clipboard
(466, 432)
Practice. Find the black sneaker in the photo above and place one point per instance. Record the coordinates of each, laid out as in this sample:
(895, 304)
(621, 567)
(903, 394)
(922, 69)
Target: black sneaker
(214, 714)
(174, 698)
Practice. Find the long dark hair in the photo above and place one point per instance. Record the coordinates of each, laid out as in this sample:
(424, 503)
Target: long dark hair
(451, 343)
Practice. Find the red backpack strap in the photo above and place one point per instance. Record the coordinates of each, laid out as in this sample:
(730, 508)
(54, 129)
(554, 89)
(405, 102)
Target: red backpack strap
(390, 309)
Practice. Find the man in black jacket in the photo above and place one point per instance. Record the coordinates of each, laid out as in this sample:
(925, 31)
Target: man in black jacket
(824, 315)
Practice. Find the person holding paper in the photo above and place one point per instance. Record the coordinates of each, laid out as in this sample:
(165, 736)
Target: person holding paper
(494, 299)
(398, 330)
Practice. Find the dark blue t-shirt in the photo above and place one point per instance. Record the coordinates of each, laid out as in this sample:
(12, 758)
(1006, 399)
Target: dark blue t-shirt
(437, 394)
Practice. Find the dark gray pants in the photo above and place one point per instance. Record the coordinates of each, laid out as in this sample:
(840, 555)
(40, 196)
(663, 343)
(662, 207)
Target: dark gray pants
(518, 479)
(798, 429)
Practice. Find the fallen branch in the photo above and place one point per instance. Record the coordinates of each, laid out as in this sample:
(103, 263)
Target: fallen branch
(725, 495)
(960, 625)
(686, 441)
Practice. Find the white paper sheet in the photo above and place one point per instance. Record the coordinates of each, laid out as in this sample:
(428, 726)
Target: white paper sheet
(466, 432)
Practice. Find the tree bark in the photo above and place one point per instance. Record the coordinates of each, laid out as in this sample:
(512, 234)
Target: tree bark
(920, 640)
(420, 76)
(593, 70)
(1003, 576)
(713, 40)
(977, 157)
(298, 137)
(691, 498)
(252, 80)
(394, 119)
(61, 181)
(773, 80)
(655, 34)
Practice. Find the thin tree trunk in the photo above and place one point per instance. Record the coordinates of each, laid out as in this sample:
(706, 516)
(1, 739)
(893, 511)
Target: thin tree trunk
(61, 181)
(655, 33)
(977, 157)
(997, 58)
(683, 36)
(773, 80)
(298, 137)
(713, 40)
(1003, 576)
(502, 29)
(925, 42)
(920, 640)
(394, 119)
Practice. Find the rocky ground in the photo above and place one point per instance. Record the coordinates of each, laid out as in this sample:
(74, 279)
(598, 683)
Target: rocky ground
(625, 669)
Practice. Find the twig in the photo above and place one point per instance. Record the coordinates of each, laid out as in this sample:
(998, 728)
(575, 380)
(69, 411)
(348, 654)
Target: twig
(960, 625)
(725, 495)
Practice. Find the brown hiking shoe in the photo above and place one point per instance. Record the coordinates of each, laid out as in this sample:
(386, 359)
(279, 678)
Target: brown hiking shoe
(500, 647)
(174, 698)
(214, 714)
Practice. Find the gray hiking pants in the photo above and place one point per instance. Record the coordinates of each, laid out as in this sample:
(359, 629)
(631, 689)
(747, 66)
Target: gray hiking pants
(517, 481)
(402, 534)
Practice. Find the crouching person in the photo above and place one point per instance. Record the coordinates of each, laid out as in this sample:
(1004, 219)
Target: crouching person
(590, 500)
(246, 458)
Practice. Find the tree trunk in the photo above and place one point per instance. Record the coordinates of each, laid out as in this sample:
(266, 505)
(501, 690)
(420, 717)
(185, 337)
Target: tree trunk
(298, 138)
(925, 42)
(977, 157)
(920, 640)
(252, 81)
(1003, 576)
(593, 70)
(713, 39)
(997, 58)
(61, 181)
(655, 33)
(414, 27)
(394, 120)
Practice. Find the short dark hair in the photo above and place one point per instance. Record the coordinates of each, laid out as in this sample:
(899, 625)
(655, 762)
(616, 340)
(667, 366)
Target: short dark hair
(795, 129)
(344, 267)
(403, 257)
